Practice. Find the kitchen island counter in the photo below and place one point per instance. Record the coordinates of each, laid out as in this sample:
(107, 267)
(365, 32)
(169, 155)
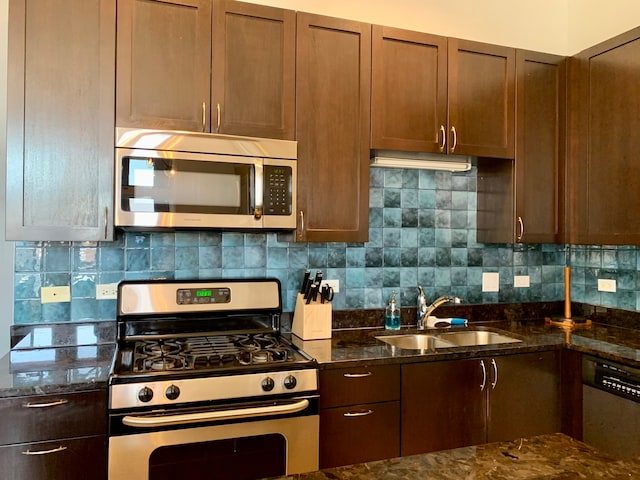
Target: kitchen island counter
(544, 457)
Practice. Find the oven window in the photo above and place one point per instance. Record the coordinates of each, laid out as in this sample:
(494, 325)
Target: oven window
(246, 458)
(186, 186)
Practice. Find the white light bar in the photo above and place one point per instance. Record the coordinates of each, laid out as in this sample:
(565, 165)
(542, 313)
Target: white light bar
(422, 161)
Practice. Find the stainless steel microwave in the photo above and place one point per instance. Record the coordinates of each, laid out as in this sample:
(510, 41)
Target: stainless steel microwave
(190, 180)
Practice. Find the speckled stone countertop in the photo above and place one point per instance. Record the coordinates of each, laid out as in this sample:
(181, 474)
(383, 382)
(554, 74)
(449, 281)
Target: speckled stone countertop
(545, 457)
(58, 358)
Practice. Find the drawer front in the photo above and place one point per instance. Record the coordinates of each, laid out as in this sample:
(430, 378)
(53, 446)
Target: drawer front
(359, 433)
(71, 459)
(356, 385)
(46, 417)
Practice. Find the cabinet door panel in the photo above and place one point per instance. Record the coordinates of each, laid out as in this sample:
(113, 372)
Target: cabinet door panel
(349, 386)
(481, 99)
(163, 64)
(526, 399)
(60, 119)
(409, 90)
(443, 406)
(253, 69)
(45, 417)
(332, 128)
(68, 459)
(359, 433)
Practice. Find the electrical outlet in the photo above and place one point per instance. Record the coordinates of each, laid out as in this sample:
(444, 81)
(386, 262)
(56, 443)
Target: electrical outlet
(606, 285)
(490, 282)
(106, 291)
(521, 281)
(55, 294)
(335, 284)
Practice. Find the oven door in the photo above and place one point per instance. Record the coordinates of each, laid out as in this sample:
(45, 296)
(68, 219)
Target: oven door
(247, 442)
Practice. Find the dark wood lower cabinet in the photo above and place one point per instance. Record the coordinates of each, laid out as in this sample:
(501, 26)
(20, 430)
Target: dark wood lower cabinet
(458, 403)
(69, 459)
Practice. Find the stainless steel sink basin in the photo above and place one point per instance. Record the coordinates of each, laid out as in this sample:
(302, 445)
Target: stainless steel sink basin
(417, 341)
(472, 338)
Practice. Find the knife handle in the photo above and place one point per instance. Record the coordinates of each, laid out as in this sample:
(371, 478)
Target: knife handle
(305, 280)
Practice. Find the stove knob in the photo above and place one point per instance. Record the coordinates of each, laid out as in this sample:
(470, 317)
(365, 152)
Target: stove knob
(290, 382)
(268, 384)
(172, 392)
(145, 394)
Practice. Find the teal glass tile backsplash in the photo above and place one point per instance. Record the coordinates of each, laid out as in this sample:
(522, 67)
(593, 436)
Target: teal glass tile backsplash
(421, 232)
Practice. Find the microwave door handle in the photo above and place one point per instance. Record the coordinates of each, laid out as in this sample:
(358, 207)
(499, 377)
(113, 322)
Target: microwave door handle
(258, 190)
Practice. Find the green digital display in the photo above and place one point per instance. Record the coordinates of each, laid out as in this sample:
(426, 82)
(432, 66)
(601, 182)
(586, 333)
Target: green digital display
(203, 293)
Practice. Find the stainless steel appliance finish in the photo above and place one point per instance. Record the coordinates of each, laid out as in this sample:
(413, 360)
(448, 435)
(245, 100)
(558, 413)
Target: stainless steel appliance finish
(611, 407)
(182, 180)
(203, 380)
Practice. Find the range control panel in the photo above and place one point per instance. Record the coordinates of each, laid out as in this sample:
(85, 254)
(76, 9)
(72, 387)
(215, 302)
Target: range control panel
(612, 377)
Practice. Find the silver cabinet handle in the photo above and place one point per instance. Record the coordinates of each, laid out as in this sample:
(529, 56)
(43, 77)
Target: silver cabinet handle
(218, 114)
(455, 139)
(204, 116)
(301, 224)
(357, 375)
(484, 375)
(358, 414)
(443, 138)
(520, 229)
(44, 452)
(495, 373)
(55, 403)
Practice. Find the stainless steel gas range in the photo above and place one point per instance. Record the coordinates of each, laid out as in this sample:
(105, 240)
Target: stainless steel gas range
(203, 384)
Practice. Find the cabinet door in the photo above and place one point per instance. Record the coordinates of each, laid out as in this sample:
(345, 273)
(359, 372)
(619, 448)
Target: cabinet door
(527, 205)
(163, 64)
(333, 72)
(443, 406)
(359, 433)
(68, 459)
(60, 119)
(524, 396)
(253, 80)
(354, 385)
(604, 172)
(481, 99)
(408, 90)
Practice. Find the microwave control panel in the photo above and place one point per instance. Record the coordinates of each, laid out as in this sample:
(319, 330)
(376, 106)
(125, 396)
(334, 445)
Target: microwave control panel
(277, 190)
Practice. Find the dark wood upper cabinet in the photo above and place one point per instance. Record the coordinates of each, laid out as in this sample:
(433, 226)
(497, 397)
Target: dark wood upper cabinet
(408, 90)
(333, 84)
(181, 68)
(60, 101)
(163, 64)
(253, 74)
(481, 91)
(523, 201)
(604, 167)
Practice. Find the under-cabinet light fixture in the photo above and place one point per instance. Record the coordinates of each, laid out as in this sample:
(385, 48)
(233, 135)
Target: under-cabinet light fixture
(422, 161)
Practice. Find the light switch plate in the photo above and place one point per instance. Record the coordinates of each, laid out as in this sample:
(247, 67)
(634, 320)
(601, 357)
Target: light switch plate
(521, 281)
(55, 294)
(606, 285)
(490, 282)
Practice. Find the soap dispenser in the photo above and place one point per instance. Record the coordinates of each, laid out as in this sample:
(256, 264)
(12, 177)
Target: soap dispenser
(392, 314)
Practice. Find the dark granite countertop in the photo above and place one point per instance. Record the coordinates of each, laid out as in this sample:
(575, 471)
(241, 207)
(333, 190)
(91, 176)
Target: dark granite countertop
(58, 358)
(544, 457)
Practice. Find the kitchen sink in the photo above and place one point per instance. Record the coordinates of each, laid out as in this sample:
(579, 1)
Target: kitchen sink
(417, 341)
(472, 338)
(426, 342)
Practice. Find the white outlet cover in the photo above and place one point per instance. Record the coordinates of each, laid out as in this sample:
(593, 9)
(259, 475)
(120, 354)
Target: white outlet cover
(335, 284)
(490, 282)
(606, 285)
(106, 291)
(521, 281)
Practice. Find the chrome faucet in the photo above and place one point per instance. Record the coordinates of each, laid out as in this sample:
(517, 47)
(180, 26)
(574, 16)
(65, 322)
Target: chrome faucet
(423, 313)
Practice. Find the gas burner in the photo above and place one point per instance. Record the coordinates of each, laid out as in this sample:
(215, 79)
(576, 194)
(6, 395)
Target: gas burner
(160, 347)
(164, 362)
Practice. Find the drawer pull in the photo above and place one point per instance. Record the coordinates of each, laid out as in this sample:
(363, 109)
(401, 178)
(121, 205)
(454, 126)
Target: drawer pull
(62, 401)
(357, 375)
(45, 452)
(359, 414)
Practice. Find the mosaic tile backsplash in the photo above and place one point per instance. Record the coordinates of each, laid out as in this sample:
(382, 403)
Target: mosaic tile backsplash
(421, 232)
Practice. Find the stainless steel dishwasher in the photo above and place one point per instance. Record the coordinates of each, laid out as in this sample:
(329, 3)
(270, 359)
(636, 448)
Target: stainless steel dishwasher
(611, 407)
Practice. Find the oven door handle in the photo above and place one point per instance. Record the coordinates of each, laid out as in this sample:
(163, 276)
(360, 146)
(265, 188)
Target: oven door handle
(181, 419)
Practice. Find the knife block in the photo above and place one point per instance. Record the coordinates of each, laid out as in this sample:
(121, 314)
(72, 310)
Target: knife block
(311, 321)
